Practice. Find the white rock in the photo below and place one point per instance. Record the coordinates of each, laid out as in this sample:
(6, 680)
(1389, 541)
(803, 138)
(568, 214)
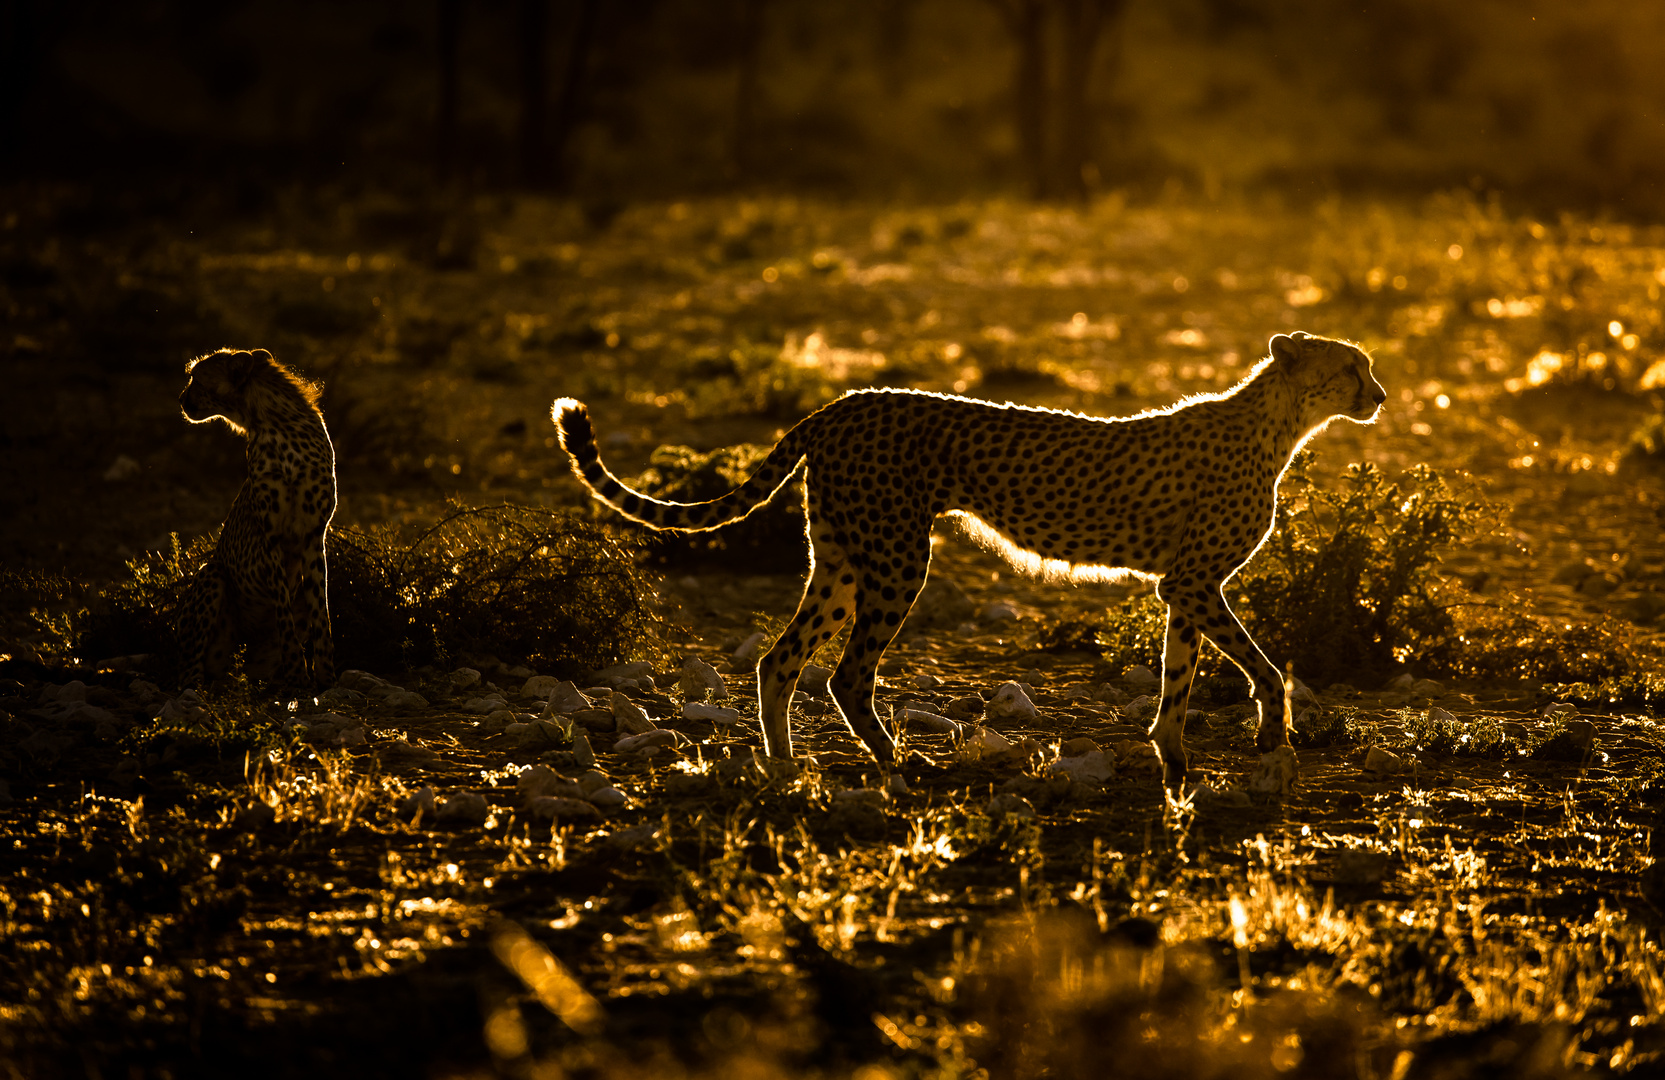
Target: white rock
(711, 714)
(896, 785)
(1011, 704)
(1275, 775)
(814, 679)
(1012, 806)
(748, 652)
(982, 742)
(608, 799)
(1141, 677)
(629, 716)
(1090, 768)
(489, 703)
(1440, 716)
(565, 698)
(1140, 708)
(648, 740)
(463, 678)
(921, 720)
(540, 686)
(700, 681)
(558, 808)
(465, 808)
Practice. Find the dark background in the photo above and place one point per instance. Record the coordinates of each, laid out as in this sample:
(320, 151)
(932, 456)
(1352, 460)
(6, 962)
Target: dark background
(1551, 103)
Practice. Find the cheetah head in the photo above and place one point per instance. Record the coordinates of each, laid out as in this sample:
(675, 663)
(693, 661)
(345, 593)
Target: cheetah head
(217, 386)
(1333, 378)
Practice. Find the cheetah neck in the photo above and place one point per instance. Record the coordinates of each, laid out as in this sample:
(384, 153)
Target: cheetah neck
(1273, 403)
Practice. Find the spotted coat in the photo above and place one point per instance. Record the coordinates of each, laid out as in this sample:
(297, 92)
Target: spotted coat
(1184, 495)
(267, 583)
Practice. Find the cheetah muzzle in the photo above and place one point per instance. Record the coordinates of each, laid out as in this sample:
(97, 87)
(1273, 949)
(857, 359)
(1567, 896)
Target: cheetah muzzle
(1183, 495)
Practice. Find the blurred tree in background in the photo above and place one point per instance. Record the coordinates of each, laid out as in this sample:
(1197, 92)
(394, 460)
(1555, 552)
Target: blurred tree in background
(882, 97)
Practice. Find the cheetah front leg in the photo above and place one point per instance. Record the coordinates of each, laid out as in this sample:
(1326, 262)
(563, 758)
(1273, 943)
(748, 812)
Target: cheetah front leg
(829, 598)
(315, 611)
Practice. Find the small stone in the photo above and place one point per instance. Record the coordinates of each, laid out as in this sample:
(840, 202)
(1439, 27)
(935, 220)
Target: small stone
(518, 671)
(746, 655)
(463, 678)
(339, 697)
(1141, 677)
(401, 752)
(1012, 806)
(489, 703)
(1208, 798)
(1275, 775)
(923, 721)
(1360, 866)
(633, 838)
(565, 698)
(144, 693)
(999, 612)
(700, 681)
(540, 687)
(1560, 708)
(594, 719)
(1385, 762)
(963, 709)
(1090, 768)
(1077, 747)
(634, 670)
(1140, 709)
(582, 754)
(649, 740)
(1402, 683)
(463, 810)
(629, 717)
(517, 734)
(1109, 694)
(866, 796)
(558, 808)
(254, 817)
(541, 780)
(362, 681)
(1136, 755)
(418, 806)
(1011, 704)
(815, 680)
(896, 785)
(981, 743)
(406, 700)
(1431, 688)
(743, 768)
(497, 720)
(711, 714)
(1438, 715)
(74, 690)
(352, 736)
(927, 681)
(608, 799)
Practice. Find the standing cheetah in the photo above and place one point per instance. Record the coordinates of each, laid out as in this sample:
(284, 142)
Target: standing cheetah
(1184, 494)
(267, 582)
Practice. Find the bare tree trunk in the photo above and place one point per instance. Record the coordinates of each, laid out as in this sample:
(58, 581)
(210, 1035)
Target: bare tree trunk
(449, 32)
(534, 92)
(1083, 24)
(572, 86)
(745, 88)
(1026, 22)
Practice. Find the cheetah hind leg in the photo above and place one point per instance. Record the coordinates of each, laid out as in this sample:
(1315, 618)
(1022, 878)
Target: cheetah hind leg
(828, 600)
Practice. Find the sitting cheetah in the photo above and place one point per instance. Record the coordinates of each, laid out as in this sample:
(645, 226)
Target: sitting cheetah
(1184, 494)
(267, 582)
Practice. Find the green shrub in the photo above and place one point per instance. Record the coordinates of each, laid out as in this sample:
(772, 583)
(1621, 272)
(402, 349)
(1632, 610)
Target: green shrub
(1498, 644)
(1478, 736)
(1348, 585)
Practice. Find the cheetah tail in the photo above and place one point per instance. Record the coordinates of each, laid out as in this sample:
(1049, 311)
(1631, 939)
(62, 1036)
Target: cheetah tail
(577, 435)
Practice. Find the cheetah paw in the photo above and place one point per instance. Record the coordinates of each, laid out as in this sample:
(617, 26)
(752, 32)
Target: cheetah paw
(1275, 774)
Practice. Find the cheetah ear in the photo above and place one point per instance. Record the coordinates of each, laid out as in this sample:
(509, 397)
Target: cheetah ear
(1286, 348)
(240, 366)
(260, 354)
